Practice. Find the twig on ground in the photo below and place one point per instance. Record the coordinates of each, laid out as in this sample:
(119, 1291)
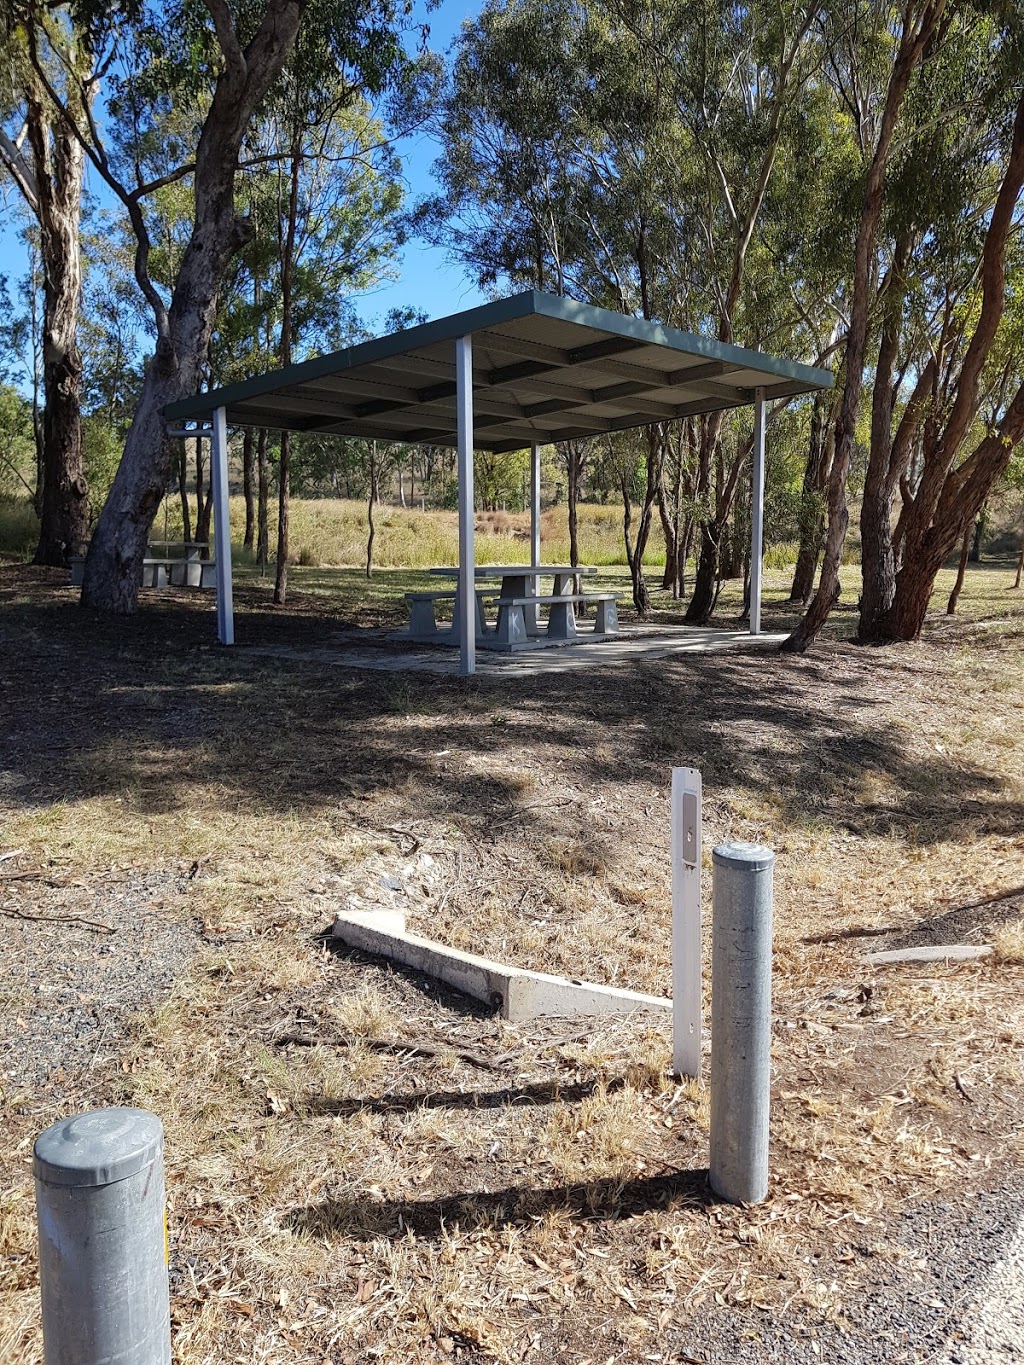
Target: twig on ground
(60, 919)
(14, 853)
(404, 834)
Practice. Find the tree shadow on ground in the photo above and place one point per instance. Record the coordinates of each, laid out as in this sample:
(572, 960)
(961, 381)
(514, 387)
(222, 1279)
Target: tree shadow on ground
(147, 710)
(543, 1092)
(362, 1218)
(962, 924)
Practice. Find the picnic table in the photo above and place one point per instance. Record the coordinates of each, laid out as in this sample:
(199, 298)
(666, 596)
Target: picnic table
(184, 564)
(188, 567)
(518, 601)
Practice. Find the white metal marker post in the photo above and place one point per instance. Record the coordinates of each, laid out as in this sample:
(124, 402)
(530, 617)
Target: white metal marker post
(532, 610)
(467, 554)
(686, 922)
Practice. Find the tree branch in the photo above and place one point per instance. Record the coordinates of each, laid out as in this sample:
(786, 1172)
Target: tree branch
(19, 170)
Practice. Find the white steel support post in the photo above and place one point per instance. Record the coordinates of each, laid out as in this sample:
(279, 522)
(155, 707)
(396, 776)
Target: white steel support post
(757, 515)
(535, 504)
(467, 577)
(686, 922)
(532, 613)
(222, 527)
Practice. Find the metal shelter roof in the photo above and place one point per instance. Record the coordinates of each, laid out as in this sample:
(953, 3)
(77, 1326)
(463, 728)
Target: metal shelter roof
(544, 369)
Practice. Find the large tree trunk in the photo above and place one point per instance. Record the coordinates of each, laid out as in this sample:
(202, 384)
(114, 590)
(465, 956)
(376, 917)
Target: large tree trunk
(962, 498)
(114, 563)
(948, 499)
(247, 489)
(705, 580)
(878, 561)
(59, 163)
(911, 47)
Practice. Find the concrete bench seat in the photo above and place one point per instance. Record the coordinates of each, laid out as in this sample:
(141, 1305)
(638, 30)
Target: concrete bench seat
(512, 624)
(423, 617)
(180, 573)
(157, 572)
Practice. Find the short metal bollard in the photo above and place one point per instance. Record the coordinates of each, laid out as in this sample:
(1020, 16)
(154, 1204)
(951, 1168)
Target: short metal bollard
(103, 1239)
(741, 992)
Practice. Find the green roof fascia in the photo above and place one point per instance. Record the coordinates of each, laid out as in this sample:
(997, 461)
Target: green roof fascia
(530, 303)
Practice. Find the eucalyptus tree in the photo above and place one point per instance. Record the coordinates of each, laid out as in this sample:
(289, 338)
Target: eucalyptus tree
(46, 163)
(936, 102)
(629, 152)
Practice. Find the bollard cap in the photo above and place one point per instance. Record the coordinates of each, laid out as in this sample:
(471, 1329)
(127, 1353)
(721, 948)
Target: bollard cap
(98, 1148)
(747, 857)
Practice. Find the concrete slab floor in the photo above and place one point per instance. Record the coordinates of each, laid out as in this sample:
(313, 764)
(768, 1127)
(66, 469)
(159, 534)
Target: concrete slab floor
(633, 645)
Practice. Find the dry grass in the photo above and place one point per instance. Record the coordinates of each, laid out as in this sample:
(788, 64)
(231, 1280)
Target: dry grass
(1008, 943)
(357, 1200)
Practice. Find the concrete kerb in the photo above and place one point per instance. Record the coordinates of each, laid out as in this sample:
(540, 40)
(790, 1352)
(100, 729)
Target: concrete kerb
(931, 952)
(516, 993)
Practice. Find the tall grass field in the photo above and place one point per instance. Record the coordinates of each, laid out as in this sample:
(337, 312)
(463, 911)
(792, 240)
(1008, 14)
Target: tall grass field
(331, 532)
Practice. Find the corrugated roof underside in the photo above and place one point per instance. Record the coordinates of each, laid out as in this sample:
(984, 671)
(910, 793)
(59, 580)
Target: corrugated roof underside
(535, 378)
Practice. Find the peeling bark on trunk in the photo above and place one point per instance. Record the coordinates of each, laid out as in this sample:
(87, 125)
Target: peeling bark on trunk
(59, 164)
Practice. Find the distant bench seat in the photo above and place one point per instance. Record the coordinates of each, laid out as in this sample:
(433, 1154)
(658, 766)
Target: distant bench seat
(512, 627)
(423, 616)
(157, 573)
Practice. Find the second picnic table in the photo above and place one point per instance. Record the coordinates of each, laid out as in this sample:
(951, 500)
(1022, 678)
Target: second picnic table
(518, 603)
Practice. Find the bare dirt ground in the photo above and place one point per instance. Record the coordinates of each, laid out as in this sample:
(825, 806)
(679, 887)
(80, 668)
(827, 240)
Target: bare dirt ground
(362, 1167)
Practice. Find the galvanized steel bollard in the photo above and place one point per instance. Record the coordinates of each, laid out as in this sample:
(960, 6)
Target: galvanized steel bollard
(741, 994)
(103, 1239)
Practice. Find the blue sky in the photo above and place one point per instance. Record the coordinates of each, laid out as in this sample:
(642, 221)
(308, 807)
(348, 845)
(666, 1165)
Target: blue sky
(426, 280)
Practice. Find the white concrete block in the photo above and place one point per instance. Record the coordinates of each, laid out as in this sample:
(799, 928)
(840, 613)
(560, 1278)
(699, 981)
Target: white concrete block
(516, 993)
(932, 952)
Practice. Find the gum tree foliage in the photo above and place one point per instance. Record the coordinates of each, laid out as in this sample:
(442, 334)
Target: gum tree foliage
(661, 159)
